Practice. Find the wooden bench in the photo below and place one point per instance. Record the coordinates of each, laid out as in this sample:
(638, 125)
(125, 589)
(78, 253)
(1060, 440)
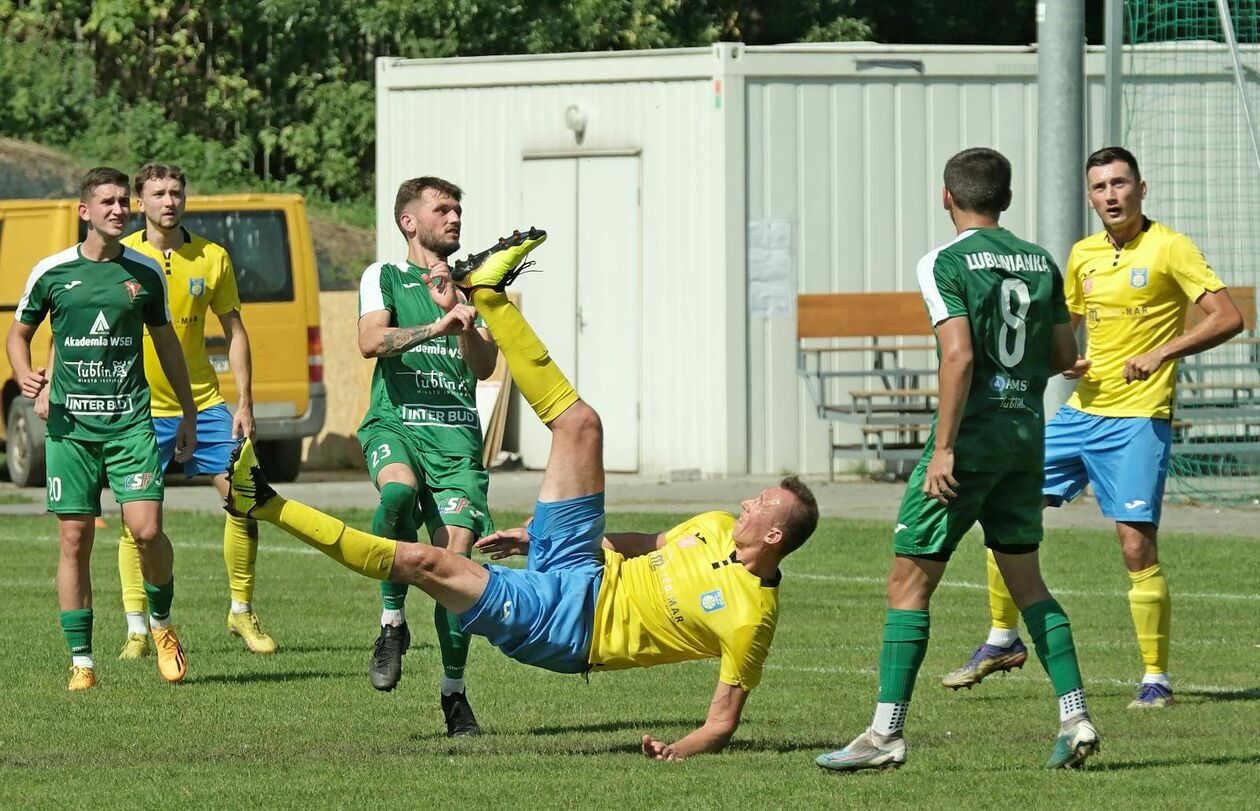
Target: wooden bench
(876, 335)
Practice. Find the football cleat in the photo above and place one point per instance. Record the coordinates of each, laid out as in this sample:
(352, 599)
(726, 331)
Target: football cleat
(986, 660)
(866, 751)
(81, 678)
(498, 266)
(247, 486)
(170, 655)
(1077, 741)
(460, 721)
(1152, 697)
(385, 669)
(245, 625)
(136, 647)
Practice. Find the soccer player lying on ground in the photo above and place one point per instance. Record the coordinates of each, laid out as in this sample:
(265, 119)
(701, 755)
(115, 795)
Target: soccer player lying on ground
(708, 588)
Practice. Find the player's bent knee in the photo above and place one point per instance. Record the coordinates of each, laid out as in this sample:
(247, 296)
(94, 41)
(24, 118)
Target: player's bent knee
(580, 420)
(145, 534)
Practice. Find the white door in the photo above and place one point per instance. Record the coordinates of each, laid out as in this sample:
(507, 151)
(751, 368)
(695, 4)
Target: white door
(584, 304)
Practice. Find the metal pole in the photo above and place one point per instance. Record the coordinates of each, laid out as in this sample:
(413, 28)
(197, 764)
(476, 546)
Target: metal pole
(1060, 141)
(1227, 25)
(1114, 82)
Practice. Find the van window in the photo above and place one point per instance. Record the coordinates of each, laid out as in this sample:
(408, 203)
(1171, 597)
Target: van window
(257, 242)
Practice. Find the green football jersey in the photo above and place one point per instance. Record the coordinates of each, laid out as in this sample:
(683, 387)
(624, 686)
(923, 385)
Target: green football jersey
(1011, 293)
(98, 311)
(428, 390)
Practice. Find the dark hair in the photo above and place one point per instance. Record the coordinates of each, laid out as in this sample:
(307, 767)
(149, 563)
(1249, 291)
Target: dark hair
(412, 189)
(158, 171)
(801, 518)
(1111, 154)
(100, 176)
(979, 180)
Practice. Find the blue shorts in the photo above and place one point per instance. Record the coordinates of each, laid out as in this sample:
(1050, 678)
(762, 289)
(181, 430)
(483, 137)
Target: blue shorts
(544, 615)
(1125, 458)
(214, 441)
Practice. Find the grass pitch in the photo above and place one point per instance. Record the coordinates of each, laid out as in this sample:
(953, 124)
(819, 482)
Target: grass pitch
(305, 728)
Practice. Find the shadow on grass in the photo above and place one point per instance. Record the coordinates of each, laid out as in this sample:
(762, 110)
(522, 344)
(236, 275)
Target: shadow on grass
(1252, 694)
(366, 648)
(610, 726)
(1117, 766)
(259, 678)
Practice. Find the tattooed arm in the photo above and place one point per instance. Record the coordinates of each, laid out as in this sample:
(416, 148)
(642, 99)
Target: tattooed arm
(378, 340)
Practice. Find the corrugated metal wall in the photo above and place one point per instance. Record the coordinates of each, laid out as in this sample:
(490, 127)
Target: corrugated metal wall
(856, 164)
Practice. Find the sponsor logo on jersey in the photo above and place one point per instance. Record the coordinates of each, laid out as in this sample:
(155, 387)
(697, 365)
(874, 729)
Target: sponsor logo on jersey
(453, 506)
(454, 416)
(712, 601)
(413, 284)
(137, 481)
(436, 381)
(1137, 277)
(73, 284)
(1002, 383)
(507, 609)
(100, 326)
(1133, 505)
(196, 287)
(96, 371)
(133, 288)
(1088, 286)
(899, 528)
(95, 405)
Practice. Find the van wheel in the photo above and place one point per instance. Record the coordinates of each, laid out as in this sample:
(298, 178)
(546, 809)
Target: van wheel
(281, 459)
(24, 451)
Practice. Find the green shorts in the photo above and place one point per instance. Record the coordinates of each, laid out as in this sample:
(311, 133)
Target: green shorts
(1006, 503)
(452, 488)
(78, 468)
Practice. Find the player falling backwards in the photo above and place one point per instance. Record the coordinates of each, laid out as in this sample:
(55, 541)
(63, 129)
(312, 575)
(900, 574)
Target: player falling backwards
(1002, 329)
(100, 297)
(1132, 283)
(707, 588)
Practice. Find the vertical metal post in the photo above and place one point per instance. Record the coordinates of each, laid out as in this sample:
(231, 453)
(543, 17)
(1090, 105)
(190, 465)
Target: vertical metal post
(1227, 26)
(1114, 81)
(1060, 141)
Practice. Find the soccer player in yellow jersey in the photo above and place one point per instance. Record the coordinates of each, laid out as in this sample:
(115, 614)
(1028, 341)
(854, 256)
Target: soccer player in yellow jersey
(200, 279)
(708, 588)
(1131, 283)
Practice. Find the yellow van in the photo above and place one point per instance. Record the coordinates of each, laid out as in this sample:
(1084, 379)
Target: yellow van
(269, 240)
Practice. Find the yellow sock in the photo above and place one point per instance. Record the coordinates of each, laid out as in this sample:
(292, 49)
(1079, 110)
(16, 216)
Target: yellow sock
(539, 379)
(1002, 608)
(356, 550)
(240, 552)
(133, 598)
(1151, 606)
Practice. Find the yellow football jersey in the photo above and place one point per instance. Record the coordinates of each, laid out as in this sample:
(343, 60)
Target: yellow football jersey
(199, 277)
(690, 599)
(1133, 300)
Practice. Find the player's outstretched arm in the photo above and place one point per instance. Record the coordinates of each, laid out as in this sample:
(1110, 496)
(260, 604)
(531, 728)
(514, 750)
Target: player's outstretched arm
(504, 543)
(713, 736)
(634, 544)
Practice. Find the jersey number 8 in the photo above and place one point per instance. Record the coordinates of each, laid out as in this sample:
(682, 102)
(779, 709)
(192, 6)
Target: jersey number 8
(1013, 303)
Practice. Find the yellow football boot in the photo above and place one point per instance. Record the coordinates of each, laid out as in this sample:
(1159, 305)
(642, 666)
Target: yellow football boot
(136, 647)
(170, 656)
(81, 678)
(247, 486)
(498, 266)
(245, 625)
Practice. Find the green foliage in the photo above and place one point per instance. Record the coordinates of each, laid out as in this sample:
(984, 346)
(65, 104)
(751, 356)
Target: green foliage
(281, 91)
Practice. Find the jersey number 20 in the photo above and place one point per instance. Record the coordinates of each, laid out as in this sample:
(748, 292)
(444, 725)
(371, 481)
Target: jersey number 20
(1013, 303)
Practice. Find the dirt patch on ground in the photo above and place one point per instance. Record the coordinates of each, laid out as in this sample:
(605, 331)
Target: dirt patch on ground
(29, 171)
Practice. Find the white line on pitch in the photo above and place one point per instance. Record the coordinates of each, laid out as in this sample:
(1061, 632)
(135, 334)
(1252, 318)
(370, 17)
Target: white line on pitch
(963, 584)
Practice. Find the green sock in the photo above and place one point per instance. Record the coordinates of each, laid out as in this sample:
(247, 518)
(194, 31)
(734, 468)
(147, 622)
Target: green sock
(1052, 634)
(160, 598)
(395, 519)
(905, 644)
(452, 641)
(77, 626)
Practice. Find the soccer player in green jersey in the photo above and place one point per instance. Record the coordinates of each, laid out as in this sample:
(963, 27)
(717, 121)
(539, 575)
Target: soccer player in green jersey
(421, 435)
(1002, 330)
(100, 296)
